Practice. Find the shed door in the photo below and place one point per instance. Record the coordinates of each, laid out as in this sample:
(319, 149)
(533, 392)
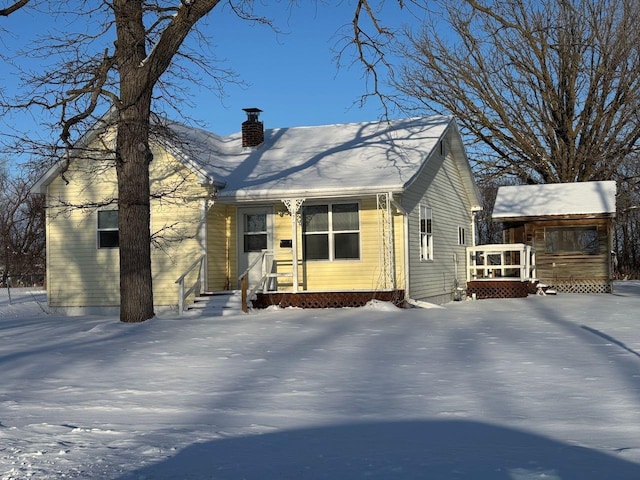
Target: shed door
(254, 235)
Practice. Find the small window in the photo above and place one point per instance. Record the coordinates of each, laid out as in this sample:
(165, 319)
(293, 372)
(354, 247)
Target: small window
(461, 236)
(108, 229)
(255, 232)
(572, 240)
(426, 233)
(331, 232)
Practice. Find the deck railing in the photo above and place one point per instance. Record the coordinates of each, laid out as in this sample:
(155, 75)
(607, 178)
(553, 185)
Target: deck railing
(495, 261)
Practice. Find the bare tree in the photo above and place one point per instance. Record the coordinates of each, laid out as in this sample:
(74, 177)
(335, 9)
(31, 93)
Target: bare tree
(22, 231)
(128, 56)
(548, 91)
(627, 231)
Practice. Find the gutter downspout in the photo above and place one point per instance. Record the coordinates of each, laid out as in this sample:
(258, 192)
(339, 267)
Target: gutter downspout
(203, 246)
(474, 212)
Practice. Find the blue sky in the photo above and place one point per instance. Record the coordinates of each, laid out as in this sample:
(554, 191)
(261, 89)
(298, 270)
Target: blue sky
(292, 76)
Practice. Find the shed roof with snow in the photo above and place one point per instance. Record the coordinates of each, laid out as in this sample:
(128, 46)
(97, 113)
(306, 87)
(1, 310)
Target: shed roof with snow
(557, 199)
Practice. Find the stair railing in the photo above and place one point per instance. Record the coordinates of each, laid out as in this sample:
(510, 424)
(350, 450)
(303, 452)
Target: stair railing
(265, 259)
(183, 293)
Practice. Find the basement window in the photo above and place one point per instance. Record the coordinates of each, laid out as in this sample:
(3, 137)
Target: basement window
(108, 229)
(572, 240)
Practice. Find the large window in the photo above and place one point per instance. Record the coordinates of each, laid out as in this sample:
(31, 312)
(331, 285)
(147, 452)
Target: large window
(108, 229)
(426, 233)
(572, 240)
(331, 232)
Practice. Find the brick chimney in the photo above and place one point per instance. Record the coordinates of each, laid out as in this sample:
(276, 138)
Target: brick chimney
(252, 129)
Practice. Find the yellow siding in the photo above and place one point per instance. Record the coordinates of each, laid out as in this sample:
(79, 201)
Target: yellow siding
(177, 226)
(221, 248)
(362, 274)
(78, 273)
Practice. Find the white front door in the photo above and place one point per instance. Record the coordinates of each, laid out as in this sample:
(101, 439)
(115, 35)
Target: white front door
(255, 234)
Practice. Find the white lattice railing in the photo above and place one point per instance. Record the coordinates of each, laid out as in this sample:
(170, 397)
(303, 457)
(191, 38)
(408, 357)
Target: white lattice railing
(514, 260)
(385, 235)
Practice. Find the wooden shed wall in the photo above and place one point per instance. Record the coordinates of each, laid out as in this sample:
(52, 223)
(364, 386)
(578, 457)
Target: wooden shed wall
(573, 272)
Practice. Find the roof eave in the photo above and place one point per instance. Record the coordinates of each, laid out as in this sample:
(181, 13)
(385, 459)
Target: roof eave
(560, 216)
(241, 196)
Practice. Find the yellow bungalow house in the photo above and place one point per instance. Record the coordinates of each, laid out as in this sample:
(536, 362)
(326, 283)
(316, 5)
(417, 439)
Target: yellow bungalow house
(311, 216)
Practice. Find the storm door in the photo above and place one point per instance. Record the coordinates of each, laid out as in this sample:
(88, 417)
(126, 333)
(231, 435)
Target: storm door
(255, 234)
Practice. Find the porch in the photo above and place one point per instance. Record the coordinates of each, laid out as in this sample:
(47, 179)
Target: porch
(501, 271)
(266, 292)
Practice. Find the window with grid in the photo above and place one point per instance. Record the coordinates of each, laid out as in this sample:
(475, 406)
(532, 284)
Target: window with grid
(255, 232)
(331, 232)
(426, 233)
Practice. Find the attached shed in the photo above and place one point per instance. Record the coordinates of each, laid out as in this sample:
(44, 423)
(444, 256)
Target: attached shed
(569, 226)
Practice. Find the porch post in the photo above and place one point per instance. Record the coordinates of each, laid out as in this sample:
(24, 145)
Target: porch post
(293, 205)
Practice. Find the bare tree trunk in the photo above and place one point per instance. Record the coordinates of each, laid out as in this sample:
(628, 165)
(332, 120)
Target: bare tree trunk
(133, 157)
(132, 167)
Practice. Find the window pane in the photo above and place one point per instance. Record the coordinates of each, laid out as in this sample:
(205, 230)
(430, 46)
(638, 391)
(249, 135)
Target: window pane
(315, 218)
(107, 219)
(108, 239)
(316, 247)
(347, 245)
(572, 239)
(345, 217)
(255, 243)
(425, 220)
(255, 222)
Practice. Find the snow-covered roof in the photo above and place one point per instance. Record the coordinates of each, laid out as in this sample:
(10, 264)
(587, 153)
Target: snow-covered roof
(583, 198)
(346, 159)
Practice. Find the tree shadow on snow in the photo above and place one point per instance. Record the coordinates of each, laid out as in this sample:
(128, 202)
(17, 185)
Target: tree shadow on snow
(433, 450)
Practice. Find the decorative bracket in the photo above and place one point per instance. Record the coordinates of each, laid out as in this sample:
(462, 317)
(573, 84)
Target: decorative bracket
(293, 206)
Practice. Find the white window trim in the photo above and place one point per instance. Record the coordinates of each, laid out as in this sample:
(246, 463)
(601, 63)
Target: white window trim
(330, 233)
(98, 230)
(462, 235)
(425, 248)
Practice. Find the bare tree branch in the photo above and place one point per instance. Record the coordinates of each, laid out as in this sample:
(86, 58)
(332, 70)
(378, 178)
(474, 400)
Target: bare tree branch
(5, 12)
(549, 91)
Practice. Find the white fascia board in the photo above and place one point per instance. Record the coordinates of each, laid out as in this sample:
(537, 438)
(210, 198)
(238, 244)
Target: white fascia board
(40, 187)
(278, 195)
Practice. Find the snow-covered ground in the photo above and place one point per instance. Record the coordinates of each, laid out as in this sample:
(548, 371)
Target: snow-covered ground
(535, 388)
